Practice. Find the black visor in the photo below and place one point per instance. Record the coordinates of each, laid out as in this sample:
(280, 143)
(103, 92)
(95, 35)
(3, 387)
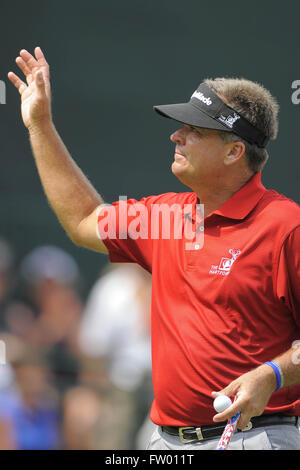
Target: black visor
(206, 109)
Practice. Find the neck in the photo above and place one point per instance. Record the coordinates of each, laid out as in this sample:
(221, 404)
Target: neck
(214, 195)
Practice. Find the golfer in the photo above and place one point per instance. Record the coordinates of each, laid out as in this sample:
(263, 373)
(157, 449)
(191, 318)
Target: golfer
(226, 293)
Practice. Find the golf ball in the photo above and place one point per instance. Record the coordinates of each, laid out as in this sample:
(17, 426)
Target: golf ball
(221, 403)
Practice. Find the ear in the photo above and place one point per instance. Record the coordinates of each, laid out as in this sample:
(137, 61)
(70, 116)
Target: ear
(234, 152)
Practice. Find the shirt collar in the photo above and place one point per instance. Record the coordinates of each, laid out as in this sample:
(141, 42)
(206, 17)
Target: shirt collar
(243, 201)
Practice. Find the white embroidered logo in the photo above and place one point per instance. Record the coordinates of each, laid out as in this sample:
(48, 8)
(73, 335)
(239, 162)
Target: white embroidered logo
(201, 97)
(229, 120)
(225, 264)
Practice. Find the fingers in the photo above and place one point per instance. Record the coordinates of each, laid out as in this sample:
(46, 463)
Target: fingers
(39, 54)
(229, 412)
(17, 82)
(35, 63)
(243, 420)
(30, 61)
(40, 84)
(230, 391)
(30, 66)
(239, 405)
(21, 86)
(25, 69)
(42, 61)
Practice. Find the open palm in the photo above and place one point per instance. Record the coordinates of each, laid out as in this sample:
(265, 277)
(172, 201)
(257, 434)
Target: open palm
(35, 93)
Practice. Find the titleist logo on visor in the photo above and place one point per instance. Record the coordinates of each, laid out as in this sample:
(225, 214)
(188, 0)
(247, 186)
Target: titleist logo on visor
(201, 97)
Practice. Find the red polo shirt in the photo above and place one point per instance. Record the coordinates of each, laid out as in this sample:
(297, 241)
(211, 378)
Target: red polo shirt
(222, 309)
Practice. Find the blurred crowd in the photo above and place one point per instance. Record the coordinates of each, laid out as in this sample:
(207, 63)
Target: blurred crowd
(74, 374)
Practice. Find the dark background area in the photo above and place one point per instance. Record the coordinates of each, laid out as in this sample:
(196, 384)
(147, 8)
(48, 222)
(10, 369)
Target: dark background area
(110, 63)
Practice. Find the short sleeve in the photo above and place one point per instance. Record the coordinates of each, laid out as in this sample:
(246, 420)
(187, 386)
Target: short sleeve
(124, 228)
(288, 278)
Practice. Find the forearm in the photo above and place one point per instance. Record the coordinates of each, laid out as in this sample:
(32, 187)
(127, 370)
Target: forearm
(68, 191)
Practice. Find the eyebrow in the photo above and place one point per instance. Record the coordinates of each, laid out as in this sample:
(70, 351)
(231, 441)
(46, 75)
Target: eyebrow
(197, 129)
(203, 131)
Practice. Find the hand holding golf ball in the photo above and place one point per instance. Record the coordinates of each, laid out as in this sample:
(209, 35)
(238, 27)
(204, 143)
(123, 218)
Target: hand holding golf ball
(221, 403)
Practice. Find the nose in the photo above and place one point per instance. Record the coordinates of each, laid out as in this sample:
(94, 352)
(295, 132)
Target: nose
(178, 137)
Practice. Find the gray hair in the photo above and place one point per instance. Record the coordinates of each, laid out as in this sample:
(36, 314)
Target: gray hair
(256, 104)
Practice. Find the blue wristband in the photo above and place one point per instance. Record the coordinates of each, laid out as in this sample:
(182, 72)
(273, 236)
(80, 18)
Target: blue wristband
(278, 372)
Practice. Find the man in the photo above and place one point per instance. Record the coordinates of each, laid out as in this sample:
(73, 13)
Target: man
(226, 309)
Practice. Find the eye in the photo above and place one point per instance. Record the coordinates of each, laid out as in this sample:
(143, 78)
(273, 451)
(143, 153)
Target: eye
(194, 129)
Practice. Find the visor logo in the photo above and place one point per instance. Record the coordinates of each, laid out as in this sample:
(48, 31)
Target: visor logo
(201, 97)
(229, 120)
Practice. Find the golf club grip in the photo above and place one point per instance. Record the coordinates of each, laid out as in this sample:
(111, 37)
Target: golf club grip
(228, 432)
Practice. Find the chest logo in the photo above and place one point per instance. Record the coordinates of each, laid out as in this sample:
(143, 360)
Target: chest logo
(224, 267)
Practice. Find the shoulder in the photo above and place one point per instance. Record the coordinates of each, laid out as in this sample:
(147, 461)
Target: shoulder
(171, 198)
(281, 207)
(278, 213)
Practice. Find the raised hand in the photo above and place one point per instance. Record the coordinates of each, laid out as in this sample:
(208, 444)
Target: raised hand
(36, 92)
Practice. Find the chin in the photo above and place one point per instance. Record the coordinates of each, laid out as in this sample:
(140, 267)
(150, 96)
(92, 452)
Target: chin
(181, 174)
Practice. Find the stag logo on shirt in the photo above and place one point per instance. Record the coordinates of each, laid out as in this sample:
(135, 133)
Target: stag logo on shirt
(224, 267)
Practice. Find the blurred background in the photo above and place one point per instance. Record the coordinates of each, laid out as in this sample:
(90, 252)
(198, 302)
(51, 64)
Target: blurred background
(76, 329)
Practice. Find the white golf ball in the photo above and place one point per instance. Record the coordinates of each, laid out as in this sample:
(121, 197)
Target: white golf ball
(221, 403)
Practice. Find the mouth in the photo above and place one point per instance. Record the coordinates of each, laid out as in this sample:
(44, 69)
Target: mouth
(179, 157)
(178, 152)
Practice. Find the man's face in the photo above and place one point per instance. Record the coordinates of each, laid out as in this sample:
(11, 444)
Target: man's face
(199, 155)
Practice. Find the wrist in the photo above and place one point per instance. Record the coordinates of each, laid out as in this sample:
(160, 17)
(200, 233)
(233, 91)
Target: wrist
(277, 374)
(40, 127)
(269, 377)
